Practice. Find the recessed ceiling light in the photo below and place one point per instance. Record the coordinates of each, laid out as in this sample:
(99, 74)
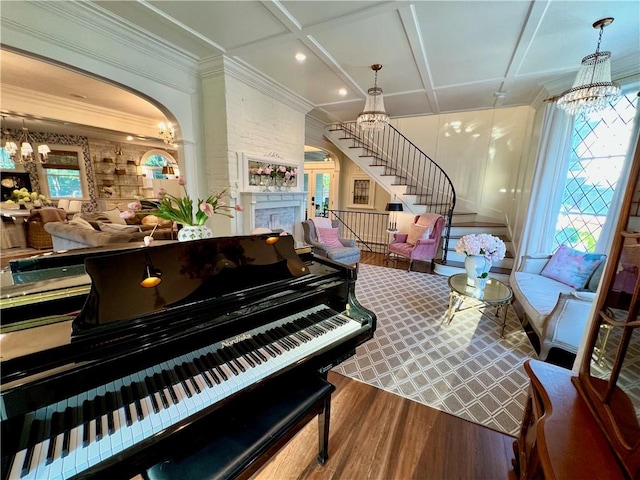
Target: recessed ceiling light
(342, 92)
(301, 57)
(129, 137)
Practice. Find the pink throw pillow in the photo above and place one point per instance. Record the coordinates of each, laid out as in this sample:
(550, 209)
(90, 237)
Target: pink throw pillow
(417, 232)
(329, 236)
(571, 267)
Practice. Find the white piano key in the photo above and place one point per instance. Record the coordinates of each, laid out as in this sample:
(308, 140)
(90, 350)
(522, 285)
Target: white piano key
(75, 445)
(39, 465)
(37, 451)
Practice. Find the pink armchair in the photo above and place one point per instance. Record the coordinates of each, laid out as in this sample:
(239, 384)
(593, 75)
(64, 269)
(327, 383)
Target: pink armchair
(422, 242)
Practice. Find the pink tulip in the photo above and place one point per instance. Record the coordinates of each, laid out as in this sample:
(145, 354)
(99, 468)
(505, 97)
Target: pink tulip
(161, 192)
(135, 206)
(148, 240)
(282, 169)
(127, 214)
(207, 208)
(239, 208)
(268, 170)
(181, 180)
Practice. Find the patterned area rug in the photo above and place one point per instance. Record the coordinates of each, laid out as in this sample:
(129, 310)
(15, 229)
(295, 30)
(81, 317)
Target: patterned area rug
(464, 368)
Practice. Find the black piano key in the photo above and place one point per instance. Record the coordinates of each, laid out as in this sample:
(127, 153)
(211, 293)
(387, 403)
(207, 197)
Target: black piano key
(87, 416)
(214, 367)
(69, 424)
(275, 338)
(244, 353)
(137, 391)
(251, 349)
(286, 336)
(157, 379)
(182, 377)
(292, 331)
(151, 389)
(110, 403)
(307, 327)
(35, 435)
(169, 378)
(101, 409)
(256, 349)
(190, 368)
(267, 345)
(206, 374)
(53, 435)
(222, 353)
(126, 401)
(233, 355)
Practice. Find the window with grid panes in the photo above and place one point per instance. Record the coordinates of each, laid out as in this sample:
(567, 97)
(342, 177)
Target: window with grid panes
(62, 173)
(599, 146)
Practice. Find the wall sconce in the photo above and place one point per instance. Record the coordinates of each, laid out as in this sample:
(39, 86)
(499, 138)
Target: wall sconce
(151, 277)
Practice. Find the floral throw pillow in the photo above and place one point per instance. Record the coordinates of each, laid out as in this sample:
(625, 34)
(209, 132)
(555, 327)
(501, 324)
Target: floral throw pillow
(417, 232)
(572, 267)
(329, 236)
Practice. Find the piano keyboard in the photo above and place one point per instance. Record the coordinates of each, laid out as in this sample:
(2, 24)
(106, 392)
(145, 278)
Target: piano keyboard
(67, 438)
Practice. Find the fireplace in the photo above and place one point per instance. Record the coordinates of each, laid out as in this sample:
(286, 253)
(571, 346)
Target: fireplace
(274, 210)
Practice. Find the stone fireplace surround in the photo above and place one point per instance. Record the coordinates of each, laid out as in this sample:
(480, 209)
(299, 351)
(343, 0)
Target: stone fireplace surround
(274, 210)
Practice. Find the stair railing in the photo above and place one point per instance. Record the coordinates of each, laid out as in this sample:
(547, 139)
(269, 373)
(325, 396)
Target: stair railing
(412, 168)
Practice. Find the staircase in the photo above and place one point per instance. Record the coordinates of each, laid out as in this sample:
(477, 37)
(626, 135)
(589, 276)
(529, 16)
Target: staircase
(420, 184)
(466, 224)
(399, 167)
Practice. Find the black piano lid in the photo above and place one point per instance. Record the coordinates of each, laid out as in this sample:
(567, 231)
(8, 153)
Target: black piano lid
(189, 272)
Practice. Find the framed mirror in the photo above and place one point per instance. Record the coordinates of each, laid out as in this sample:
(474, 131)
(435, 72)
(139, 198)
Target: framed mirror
(268, 174)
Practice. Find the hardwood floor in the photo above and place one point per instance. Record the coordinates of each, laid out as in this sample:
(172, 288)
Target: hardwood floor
(378, 435)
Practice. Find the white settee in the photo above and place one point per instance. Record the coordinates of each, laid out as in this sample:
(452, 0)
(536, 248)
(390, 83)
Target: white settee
(557, 313)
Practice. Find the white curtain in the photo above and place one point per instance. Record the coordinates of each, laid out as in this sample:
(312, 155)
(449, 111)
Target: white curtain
(548, 184)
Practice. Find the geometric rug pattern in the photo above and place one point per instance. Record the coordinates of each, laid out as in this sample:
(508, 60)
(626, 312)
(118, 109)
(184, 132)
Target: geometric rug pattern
(464, 368)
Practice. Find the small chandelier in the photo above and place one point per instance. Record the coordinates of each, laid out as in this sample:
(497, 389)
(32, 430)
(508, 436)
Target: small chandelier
(24, 153)
(374, 116)
(592, 89)
(167, 133)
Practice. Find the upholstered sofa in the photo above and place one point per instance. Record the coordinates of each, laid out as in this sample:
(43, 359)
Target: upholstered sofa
(558, 313)
(99, 229)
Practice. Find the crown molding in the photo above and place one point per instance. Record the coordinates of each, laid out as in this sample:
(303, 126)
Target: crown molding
(121, 36)
(222, 65)
(18, 100)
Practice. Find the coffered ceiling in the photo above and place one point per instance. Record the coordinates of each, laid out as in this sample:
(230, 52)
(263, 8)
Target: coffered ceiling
(437, 56)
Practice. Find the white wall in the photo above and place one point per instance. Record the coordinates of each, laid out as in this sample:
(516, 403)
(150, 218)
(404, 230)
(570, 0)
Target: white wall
(481, 151)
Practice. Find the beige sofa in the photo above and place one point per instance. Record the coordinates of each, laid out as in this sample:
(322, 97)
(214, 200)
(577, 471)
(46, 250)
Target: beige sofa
(557, 313)
(98, 230)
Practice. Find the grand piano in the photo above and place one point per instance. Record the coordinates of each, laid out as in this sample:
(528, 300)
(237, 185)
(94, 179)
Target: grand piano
(168, 336)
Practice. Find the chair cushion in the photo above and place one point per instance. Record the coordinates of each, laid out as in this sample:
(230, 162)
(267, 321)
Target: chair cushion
(417, 232)
(78, 221)
(329, 236)
(402, 249)
(537, 294)
(117, 228)
(114, 216)
(572, 267)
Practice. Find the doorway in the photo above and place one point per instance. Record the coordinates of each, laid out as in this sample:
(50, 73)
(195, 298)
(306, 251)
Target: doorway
(320, 181)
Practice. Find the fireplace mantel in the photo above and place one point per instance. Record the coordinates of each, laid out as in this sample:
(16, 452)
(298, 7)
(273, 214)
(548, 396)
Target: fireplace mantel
(273, 210)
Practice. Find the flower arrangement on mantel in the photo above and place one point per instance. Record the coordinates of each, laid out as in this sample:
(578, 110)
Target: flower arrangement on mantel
(180, 209)
(489, 246)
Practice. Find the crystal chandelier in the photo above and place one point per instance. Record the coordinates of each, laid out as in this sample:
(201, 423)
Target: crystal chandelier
(374, 116)
(167, 133)
(24, 153)
(592, 89)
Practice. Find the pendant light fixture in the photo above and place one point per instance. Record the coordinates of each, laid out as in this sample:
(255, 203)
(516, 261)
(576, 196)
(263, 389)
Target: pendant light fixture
(374, 116)
(592, 89)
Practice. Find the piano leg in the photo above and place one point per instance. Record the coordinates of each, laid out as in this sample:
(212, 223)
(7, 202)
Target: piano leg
(323, 431)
